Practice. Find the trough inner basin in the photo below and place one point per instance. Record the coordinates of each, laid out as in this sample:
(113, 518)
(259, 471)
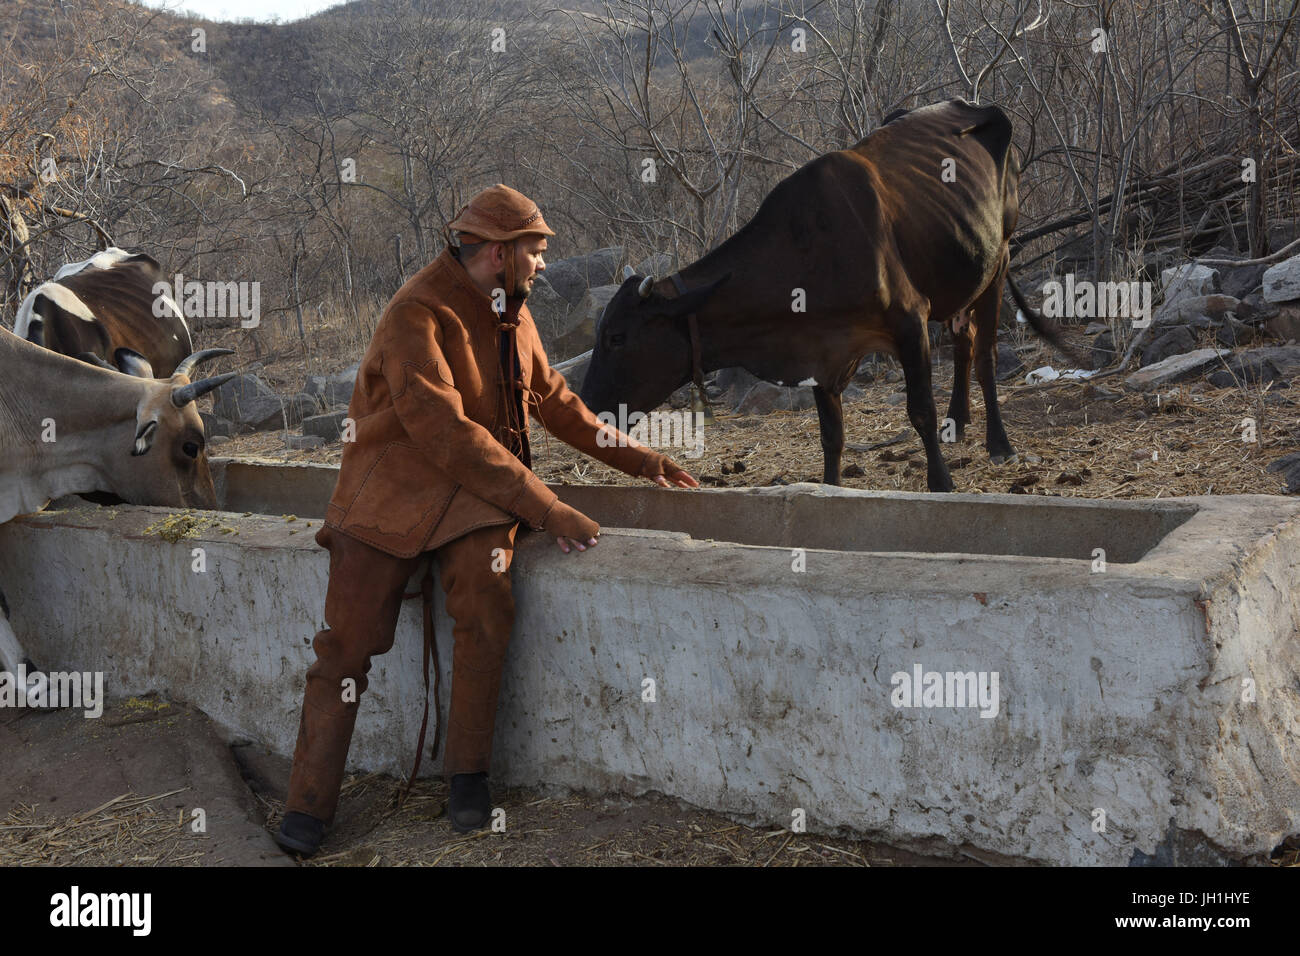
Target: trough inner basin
(832, 519)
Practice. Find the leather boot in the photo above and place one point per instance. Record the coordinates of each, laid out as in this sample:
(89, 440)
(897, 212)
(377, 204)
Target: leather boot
(470, 803)
(300, 833)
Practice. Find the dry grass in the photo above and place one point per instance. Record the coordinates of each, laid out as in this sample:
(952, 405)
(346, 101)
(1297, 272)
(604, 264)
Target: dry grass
(575, 830)
(128, 830)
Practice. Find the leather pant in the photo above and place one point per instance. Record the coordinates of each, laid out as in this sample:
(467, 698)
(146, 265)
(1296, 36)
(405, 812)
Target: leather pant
(362, 605)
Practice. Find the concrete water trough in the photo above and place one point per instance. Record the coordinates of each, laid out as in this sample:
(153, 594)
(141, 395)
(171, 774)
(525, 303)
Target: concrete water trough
(1014, 677)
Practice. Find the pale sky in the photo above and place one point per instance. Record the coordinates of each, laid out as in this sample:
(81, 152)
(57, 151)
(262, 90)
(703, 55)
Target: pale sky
(264, 10)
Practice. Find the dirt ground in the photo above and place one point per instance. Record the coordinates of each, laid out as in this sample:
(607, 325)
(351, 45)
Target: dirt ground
(1074, 439)
(123, 790)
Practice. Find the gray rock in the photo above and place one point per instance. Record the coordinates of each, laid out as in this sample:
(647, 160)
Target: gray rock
(214, 426)
(1176, 341)
(1289, 467)
(303, 441)
(867, 370)
(236, 398)
(328, 426)
(736, 384)
(335, 389)
(1278, 365)
(574, 370)
(897, 398)
(1201, 311)
(550, 312)
(572, 277)
(1009, 363)
(1188, 281)
(339, 387)
(218, 440)
(1282, 232)
(580, 334)
(247, 400)
(1095, 328)
(1103, 350)
(765, 397)
(1233, 333)
(1282, 281)
(1284, 322)
(681, 397)
(1240, 281)
(1154, 263)
(1176, 368)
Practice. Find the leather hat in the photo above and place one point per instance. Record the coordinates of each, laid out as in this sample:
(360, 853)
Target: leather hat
(499, 214)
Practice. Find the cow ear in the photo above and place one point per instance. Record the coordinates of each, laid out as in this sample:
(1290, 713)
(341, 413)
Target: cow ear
(36, 330)
(144, 437)
(132, 362)
(628, 272)
(146, 260)
(90, 358)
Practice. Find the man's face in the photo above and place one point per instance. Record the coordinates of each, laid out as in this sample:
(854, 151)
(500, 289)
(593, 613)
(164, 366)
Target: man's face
(529, 264)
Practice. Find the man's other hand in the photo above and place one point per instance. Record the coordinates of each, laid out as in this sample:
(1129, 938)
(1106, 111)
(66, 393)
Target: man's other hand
(571, 528)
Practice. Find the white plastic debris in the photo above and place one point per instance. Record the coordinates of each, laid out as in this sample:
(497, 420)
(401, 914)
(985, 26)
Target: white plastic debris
(1048, 374)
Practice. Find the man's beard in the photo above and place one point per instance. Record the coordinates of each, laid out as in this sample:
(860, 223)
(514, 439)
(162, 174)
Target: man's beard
(521, 287)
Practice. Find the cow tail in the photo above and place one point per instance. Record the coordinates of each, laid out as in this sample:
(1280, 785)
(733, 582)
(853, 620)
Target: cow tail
(1045, 328)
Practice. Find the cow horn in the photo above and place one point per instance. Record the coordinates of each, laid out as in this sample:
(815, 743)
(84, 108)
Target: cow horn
(190, 361)
(644, 289)
(182, 395)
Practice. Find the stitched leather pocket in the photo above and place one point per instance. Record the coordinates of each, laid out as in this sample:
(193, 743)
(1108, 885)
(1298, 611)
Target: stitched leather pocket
(397, 494)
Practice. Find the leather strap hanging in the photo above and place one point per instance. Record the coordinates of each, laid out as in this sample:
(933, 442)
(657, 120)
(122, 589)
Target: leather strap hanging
(697, 369)
(430, 650)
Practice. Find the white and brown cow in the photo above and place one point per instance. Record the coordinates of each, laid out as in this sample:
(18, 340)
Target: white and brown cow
(104, 311)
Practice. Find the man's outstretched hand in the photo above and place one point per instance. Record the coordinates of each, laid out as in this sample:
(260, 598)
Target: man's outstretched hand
(665, 472)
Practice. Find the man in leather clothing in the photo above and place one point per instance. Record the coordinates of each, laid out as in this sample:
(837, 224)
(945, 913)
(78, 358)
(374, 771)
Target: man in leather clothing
(441, 463)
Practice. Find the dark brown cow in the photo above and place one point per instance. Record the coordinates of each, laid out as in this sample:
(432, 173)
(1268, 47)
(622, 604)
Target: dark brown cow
(104, 311)
(911, 225)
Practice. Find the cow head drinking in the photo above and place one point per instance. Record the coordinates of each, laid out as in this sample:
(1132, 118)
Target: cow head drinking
(167, 462)
(72, 427)
(643, 345)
